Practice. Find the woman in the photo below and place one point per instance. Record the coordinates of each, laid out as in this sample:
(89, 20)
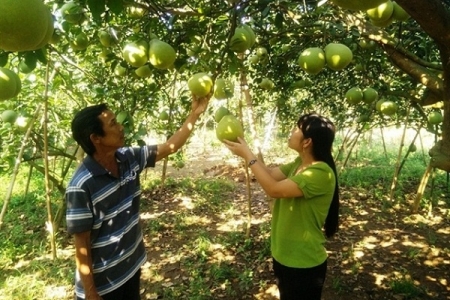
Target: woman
(306, 196)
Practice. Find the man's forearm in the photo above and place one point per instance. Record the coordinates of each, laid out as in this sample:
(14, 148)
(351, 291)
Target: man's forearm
(179, 138)
(83, 260)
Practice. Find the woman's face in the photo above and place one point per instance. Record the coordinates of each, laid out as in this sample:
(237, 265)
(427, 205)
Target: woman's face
(295, 139)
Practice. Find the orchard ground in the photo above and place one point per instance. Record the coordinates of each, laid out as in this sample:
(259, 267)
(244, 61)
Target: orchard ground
(195, 227)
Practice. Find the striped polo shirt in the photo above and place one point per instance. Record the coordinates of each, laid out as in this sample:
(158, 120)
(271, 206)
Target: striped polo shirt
(108, 207)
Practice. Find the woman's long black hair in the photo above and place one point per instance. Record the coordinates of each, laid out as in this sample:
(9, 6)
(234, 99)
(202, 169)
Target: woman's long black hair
(322, 131)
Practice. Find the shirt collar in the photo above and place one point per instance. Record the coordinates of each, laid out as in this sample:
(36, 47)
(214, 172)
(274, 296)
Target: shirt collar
(96, 169)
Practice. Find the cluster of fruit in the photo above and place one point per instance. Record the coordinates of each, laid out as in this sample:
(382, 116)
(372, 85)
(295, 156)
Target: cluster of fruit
(335, 56)
(228, 126)
(386, 13)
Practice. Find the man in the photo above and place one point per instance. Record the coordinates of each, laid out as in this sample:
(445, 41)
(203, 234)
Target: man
(103, 202)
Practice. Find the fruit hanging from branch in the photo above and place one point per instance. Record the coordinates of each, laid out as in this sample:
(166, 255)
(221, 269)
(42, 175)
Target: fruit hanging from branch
(25, 25)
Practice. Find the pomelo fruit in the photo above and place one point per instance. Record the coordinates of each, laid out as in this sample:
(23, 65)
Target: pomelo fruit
(220, 113)
(369, 95)
(80, 42)
(120, 70)
(164, 115)
(24, 25)
(388, 108)
(435, 117)
(251, 34)
(135, 53)
(254, 59)
(105, 38)
(261, 51)
(337, 56)
(412, 148)
(229, 128)
(9, 116)
(221, 90)
(354, 95)
(357, 4)
(72, 12)
(241, 40)
(312, 60)
(266, 84)
(143, 71)
(399, 13)
(382, 12)
(200, 84)
(10, 84)
(161, 55)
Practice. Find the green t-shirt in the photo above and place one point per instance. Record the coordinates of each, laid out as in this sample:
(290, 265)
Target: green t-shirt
(297, 239)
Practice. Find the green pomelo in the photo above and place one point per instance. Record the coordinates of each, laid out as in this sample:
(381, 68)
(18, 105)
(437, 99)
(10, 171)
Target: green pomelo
(251, 34)
(312, 60)
(72, 13)
(80, 42)
(49, 33)
(363, 118)
(369, 95)
(254, 59)
(120, 71)
(412, 148)
(135, 54)
(105, 38)
(354, 95)
(382, 12)
(378, 104)
(357, 4)
(388, 108)
(220, 89)
(125, 119)
(382, 24)
(24, 25)
(399, 13)
(10, 84)
(261, 51)
(435, 117)
(240, 41)
(143, 71)
(9, 116)
(229, 128)
(337, 56)
(220, 113)
(266, 84)
(299, 84)
(164, 115)
(161, 55)
(367, 44)
(200, 84)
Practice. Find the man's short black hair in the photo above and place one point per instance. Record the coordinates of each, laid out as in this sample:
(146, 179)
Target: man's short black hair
(87, 122)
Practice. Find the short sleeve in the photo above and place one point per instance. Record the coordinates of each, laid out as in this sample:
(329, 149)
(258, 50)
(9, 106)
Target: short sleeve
(79, 215)
(315, 181)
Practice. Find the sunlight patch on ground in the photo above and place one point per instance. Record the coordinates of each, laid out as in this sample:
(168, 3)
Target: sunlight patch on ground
(231, 225)
(55, 292)
(379, 278)
(147, 215)
(271, 291)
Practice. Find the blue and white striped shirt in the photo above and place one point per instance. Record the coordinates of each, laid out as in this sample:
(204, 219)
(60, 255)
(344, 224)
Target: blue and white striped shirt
(108, 207)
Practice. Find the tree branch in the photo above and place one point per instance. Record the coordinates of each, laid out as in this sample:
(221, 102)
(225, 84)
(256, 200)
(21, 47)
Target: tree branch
(415, 70)
(432, 16)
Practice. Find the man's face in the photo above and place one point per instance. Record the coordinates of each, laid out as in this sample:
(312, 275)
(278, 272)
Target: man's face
(114, 135)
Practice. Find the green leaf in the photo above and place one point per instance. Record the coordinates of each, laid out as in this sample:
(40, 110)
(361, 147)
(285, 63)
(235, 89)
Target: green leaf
(97, 7)
(279, 20)
(116, 6)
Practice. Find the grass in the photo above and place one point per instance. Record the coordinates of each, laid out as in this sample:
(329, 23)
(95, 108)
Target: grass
(198, 225)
